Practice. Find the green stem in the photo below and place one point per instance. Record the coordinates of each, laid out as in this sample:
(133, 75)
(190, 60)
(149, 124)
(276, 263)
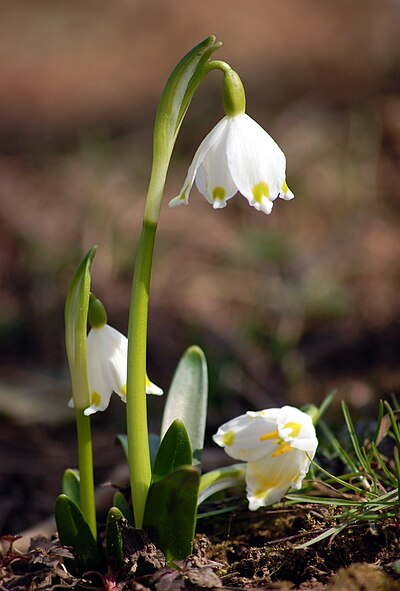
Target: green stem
(85, 458)
(175, 100)
(136, 411)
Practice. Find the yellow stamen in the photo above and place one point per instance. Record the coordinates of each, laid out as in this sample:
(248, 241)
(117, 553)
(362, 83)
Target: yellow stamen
(259, 191)
(218, 193)
(285, 188)
(96, 398)
(123, 390)
(269, 436)
(228, 438)
(283, 448)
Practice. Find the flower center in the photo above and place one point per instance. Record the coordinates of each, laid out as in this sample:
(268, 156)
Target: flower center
(283, 446)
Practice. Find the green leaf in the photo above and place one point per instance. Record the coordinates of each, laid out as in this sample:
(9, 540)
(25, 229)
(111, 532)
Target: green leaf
(154, 442)
(114, 544)
(76, 311)
(171, 510)
(71, 485)
(174, 451)
(221, 479)
(75, 533)
(122, 504)
(187, 399)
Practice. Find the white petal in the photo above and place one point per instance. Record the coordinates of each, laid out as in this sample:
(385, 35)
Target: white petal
(256, 162)
(269, 478)
(243, 437)
(201, 152)
(99, 375)
(116, 346)
(213, 178)
(286, 193)
(296, 428)
(152, 388)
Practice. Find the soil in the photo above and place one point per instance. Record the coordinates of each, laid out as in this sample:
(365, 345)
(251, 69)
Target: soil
(235, 550)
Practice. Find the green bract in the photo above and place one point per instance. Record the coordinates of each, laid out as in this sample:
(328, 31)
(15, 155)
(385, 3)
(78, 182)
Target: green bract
(76, 312)
(175, 100)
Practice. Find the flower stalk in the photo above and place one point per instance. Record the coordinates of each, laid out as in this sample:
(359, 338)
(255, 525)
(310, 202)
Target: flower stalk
(174, 103)
(85, 462)
(136, 406)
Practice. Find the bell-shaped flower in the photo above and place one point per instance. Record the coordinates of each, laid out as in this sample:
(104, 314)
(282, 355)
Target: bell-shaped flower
(237, 155)
(107, 354)
(278, 445)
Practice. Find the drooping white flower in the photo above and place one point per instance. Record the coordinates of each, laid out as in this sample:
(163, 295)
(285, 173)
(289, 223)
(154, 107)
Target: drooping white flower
(237, 155)
(107, 353)
(277, 444)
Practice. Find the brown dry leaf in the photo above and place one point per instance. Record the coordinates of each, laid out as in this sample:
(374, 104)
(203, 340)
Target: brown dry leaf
(330, 491)
(203, 577)
(138, 548)
(385, 426)
(168, 580)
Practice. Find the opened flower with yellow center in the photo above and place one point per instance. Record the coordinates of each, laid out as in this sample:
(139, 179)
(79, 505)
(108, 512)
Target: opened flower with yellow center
(237, 155)
(278, 445)
(107, 354)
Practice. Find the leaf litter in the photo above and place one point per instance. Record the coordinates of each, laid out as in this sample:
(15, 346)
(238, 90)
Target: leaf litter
(237, 550)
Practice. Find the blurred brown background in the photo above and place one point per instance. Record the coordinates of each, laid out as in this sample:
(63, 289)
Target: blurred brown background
(286, 307)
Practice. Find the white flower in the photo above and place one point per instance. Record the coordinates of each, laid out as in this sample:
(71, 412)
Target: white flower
(237, 155)
(277, 444)
(107, 353)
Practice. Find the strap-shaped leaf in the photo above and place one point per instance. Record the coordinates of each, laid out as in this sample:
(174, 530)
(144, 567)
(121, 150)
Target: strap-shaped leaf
(174, 451)
(75, 533)
(187, 399)
(114, 545)
(171, 510)
(71, 485)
